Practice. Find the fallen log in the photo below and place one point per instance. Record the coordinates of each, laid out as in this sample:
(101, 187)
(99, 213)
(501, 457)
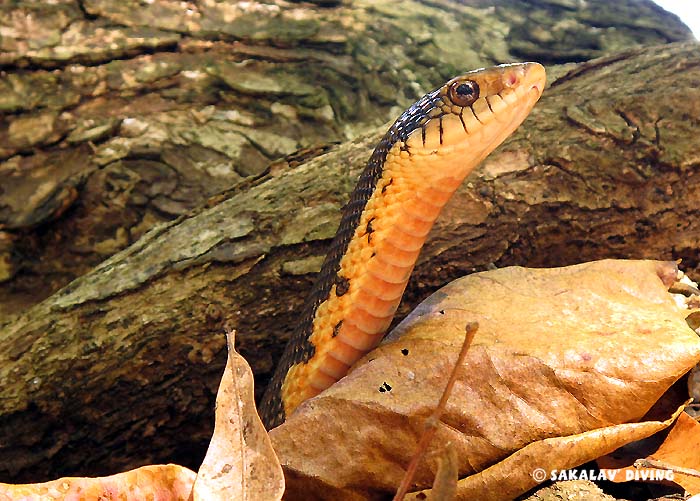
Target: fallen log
(120, 367)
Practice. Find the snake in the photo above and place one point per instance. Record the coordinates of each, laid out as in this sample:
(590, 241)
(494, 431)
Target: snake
(413, 171)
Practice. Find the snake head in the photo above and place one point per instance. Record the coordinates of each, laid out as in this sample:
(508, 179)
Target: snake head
(461, 122)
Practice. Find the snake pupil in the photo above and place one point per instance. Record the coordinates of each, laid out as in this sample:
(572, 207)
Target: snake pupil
(464, 90)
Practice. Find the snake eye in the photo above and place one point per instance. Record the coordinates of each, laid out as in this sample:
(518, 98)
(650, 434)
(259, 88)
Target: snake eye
(463, 93)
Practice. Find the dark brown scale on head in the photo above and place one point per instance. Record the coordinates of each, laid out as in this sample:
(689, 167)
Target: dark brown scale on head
(369, 230)
(391, 181)
(342, 286)
(337, 327)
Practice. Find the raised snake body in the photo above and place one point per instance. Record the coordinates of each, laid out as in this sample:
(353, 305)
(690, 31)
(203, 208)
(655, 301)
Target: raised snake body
(411, 174)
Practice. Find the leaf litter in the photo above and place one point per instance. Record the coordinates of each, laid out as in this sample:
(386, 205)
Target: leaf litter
(563, 369)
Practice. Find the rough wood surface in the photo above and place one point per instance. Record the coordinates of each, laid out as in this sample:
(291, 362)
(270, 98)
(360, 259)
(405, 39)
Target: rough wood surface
(120, 114)
(120, 367)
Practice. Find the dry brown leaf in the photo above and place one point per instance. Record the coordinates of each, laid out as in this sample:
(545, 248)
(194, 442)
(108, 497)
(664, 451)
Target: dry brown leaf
(240, 462)
(680, 450)
(162, 482)
(433, 421)
(562, 354)
(520, 472)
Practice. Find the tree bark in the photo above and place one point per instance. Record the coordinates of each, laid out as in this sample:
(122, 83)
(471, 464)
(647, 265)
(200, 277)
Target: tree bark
(120, 367)
(120, 115)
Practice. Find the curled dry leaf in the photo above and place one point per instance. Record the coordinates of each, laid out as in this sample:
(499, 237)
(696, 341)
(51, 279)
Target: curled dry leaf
(564, 359)
(162, 482)
(521, 471)
(240, 462)
(677, 459)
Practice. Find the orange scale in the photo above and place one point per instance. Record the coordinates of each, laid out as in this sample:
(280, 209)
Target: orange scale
(421, 208)
(376, 306)
(319, 380)
(417, 228)
(346, 353)
(434, 196)
(356, 338)
(397, 256)
(334, 367)
(366, 322)
(381, 289)
(404, 241)
(387, 272)
(366, 254)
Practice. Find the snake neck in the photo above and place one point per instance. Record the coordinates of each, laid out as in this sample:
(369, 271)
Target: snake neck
(360, 284)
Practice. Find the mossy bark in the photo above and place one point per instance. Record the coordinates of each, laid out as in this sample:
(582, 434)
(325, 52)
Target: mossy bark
(119, 115)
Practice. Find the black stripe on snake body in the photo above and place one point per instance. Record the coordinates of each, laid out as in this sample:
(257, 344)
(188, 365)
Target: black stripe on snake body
(299, 349)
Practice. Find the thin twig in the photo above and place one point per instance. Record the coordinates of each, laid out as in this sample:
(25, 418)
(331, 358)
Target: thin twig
(432, 421)
(447, 475)
(660, 465)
